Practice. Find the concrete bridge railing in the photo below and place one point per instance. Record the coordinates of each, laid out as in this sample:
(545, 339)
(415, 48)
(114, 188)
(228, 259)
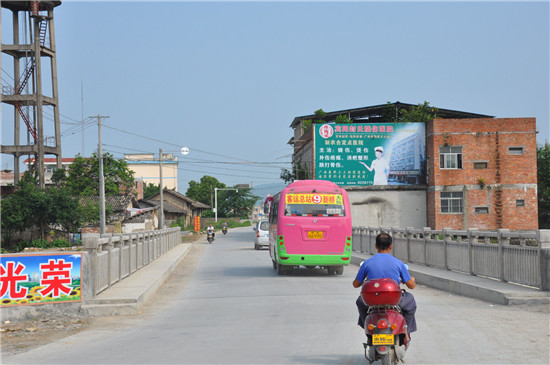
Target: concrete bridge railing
(114, 257)
(505, 255)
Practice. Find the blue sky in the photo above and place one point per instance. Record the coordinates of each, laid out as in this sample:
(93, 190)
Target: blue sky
(226, 78)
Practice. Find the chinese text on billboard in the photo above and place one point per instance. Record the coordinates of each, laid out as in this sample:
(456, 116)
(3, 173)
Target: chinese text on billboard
(40, 279)
(370, 154)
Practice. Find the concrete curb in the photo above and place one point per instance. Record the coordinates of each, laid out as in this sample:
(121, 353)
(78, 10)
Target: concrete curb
(476, 287)
(127, 296)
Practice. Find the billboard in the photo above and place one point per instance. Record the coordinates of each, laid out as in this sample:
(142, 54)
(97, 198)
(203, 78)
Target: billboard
(359, 154)
(40, 279)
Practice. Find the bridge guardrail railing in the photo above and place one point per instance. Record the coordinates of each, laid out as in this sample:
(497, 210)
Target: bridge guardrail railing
(506, 255)
(113, 257)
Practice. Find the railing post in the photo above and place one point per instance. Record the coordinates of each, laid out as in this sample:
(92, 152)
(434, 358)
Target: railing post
(543, 241)
(470, 251)
(91, 245)
(372, 239)
(445, 246)
(360, 240)
(501, 253)
(392, 234)
(425, 235)
(409, 235)
(109, 260)
(136, 244)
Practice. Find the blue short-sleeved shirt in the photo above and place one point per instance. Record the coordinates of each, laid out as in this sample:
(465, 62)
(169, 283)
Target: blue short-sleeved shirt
(383, 265)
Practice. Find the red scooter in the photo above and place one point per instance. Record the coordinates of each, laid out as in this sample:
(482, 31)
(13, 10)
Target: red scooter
(385, 325)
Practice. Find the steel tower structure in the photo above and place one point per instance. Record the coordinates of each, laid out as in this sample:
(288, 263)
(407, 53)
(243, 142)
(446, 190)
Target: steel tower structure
(26, 94)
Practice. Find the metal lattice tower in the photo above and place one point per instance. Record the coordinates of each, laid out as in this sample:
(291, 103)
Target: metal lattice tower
(25, 94)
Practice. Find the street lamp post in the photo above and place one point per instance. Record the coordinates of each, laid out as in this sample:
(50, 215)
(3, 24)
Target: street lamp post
(216, 200)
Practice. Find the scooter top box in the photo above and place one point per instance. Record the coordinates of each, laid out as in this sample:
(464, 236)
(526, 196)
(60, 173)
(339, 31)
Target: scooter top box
(381, 292)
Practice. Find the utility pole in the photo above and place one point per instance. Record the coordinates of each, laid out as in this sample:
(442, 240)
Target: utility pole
(161, 214)
(101, 177)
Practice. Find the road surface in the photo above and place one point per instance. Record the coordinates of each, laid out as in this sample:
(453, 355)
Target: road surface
(226, 305)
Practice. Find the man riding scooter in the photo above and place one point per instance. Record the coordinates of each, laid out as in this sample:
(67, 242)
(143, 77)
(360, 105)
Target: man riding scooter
(384, 265)
(210, 230)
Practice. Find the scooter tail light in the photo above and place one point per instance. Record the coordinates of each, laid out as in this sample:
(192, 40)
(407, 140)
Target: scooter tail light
(393, 326)
(370, 327)
(382, 324)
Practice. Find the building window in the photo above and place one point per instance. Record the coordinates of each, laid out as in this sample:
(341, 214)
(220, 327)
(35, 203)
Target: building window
(481, 165)
(481, 210)
(520, 203)
(451, 201)
(515, 150)
(450, 157)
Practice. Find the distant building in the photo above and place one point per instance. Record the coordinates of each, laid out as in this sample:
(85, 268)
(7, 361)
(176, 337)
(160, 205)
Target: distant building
(175, 206)
(50, 165)
(258, 213)
(147, 169)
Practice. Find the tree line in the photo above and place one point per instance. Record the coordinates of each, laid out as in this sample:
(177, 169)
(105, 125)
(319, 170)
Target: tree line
(68, 205)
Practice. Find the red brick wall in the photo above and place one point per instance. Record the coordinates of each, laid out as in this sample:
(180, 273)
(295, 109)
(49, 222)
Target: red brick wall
(506, 179)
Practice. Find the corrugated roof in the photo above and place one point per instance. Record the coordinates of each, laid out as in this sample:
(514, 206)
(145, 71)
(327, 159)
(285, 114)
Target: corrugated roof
(374, 114)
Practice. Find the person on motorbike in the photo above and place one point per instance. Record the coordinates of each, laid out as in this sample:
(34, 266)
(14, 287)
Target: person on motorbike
(210, 229)
(224, 225)
(384, 265)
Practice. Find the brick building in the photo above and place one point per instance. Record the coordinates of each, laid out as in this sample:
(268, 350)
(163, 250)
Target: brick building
(482, 173)
(464, 170)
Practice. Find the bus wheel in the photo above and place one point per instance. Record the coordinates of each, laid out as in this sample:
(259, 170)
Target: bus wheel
(339, 270)
(280, 269)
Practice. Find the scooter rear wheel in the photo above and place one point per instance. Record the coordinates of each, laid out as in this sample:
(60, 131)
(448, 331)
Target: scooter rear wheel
(389, 358)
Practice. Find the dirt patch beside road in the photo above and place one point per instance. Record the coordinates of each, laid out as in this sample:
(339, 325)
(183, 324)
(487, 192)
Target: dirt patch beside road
(22, 336)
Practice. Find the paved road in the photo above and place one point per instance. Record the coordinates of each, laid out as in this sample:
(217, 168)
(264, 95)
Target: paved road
(225, 304)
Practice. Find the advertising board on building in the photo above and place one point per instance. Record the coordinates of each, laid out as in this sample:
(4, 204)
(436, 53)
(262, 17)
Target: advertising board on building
(361, 154)
(40, 279)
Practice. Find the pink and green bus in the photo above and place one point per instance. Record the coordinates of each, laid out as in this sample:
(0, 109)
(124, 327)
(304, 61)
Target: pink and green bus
(310, 225)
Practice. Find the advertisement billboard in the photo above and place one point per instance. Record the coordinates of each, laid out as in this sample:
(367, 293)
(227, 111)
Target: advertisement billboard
(40, 279)
(359, 154)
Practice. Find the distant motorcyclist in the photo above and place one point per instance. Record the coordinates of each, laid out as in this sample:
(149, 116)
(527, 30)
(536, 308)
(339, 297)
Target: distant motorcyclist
(210, 229)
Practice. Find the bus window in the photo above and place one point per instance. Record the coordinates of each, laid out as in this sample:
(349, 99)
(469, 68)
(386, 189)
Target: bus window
(274, 211)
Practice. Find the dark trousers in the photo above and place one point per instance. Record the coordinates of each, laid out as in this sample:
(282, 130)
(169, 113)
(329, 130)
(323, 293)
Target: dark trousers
(407, 305)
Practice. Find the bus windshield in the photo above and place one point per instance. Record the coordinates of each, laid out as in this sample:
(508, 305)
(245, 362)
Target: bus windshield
(314, 204)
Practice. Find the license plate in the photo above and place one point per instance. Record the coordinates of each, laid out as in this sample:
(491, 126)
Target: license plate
(315, 235)
(382, 339)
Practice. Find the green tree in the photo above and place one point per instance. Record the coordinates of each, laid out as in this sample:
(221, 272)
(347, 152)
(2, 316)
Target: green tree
(287, 176)
(236, 204)
(342, 118)
(320, 116)
(543, 187)
(203, 191)
(420, 113)
(150, 190)
(299, 172)
(30, 207)
(83, 176)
